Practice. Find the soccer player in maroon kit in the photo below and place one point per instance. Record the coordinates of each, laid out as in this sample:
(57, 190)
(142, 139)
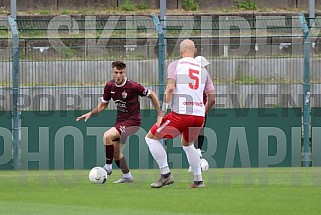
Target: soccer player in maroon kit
(125, 94)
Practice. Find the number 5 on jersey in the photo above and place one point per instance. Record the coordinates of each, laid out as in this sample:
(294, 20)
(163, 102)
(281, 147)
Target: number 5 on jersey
(193, 74)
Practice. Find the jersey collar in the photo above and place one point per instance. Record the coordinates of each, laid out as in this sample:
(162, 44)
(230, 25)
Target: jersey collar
(121, 85)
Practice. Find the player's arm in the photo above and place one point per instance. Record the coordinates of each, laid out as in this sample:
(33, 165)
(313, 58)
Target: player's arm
(155, 101)
(210, 100)
(170, 87)
(210, 92)
(169, 91)
(100, 107)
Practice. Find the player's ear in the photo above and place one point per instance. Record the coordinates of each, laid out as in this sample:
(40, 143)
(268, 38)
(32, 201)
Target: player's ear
(195, 51)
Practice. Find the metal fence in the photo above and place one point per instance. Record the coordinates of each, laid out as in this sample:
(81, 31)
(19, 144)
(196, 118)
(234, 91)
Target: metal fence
(62, 63)
(65, 60)
(254, 62)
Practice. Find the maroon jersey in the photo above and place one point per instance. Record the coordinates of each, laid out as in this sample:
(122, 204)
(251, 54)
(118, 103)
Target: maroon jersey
(204, 98)
(125, 97)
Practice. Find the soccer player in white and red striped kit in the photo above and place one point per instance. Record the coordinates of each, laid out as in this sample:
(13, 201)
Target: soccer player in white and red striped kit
(186, 84)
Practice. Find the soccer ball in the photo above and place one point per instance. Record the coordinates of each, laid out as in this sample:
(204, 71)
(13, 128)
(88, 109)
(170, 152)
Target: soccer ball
(97, 175)
(204, 165)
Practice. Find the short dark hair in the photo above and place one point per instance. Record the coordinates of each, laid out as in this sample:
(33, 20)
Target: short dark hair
(118, 64)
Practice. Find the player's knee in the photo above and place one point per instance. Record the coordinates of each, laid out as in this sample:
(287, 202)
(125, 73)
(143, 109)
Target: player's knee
(149, 135)
(108, 140)
(117, 155)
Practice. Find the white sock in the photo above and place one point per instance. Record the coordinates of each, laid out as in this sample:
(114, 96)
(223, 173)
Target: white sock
(127, 175)
(194, 161)
(199, 152)
(159, 154)
(109, 166)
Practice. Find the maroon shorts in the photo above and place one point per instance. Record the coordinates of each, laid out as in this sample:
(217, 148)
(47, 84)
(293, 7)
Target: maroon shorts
(126, 128)
(174, 124)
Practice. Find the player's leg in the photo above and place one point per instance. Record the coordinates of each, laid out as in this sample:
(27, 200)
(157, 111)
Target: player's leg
(110, 137)
(160, 156)
(165, 130)
(188, 138)
(200, 139)
(198, 144)
(121, 162)
(125, 128)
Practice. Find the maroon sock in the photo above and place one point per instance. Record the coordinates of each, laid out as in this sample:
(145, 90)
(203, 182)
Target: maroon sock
(122, 164)
(109, 153)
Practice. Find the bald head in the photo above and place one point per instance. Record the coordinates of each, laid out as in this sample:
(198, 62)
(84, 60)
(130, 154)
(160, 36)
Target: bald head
(187, 48)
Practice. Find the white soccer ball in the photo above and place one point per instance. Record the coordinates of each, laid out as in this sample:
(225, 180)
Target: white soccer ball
(97, 175)
(204, 165)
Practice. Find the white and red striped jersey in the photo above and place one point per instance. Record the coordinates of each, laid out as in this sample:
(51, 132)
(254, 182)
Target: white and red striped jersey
(192, 81)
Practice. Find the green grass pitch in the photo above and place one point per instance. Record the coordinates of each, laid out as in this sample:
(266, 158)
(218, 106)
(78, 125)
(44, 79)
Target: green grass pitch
(256, 191)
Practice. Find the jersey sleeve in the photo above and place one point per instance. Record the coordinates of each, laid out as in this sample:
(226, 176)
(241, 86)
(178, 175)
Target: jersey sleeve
(107, 95)
(142, 91)
(171, 70)
(209, 86)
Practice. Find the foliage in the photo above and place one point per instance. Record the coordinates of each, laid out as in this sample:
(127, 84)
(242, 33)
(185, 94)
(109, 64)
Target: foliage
(33, 33)
(142, 6)
(127, 6)
(4, 84)
(4, 11)
(192, 5)
(44, 12)
(246, 5)
(67, 12)
(243, 79)
(67, 52)
(4, 33)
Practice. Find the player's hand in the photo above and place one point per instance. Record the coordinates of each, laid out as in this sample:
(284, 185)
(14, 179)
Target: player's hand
(159, 120)
(85, 117)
